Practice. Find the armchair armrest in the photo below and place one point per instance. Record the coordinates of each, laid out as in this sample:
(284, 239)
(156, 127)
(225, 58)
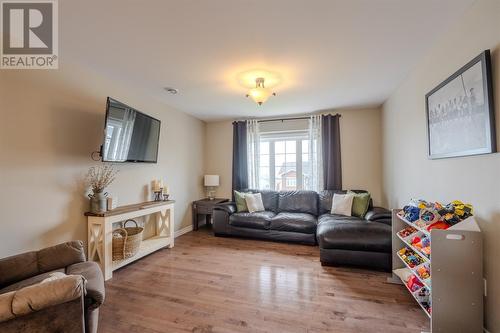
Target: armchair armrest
(40, 296)
(91, 271)
(379, 214)
(228, 207)
(222, 213)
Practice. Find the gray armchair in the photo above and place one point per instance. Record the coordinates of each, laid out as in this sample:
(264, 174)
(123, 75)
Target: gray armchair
(51, 290)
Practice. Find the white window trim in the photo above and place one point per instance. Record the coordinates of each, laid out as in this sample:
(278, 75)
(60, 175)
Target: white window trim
(296, 136)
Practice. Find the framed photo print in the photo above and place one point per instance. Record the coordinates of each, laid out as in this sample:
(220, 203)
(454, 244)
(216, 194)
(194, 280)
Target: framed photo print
(460, 112)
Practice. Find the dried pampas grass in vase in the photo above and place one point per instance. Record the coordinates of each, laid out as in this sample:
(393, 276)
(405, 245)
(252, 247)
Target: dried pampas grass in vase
(98, 178)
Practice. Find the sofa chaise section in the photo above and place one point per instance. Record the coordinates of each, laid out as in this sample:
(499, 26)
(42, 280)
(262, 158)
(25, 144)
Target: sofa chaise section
(350, 241)
(354, 241)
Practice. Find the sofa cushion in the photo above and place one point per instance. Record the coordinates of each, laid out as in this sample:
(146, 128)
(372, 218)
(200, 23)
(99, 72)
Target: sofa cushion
(353, 233)
(325, 200)
(29, 281)
(328, 217)
(298, 202)
(294, 222)
(269, 199)
(257, 220)
(46, 294)
(22, 266)
(17, 268)
(360, 204)
(60, 255)
(342, 204)
(241, 204)
(254, 202)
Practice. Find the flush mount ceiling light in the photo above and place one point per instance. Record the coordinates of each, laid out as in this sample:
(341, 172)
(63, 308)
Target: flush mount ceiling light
(260, 93)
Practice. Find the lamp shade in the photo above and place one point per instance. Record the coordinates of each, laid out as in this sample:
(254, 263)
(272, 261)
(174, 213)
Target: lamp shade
(260, 94)
(211, 180)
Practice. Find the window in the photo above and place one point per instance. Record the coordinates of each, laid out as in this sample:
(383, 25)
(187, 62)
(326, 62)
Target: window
(291, 182)
(284, 161)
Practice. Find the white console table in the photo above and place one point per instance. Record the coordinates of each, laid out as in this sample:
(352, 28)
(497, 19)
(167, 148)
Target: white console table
(100, 232)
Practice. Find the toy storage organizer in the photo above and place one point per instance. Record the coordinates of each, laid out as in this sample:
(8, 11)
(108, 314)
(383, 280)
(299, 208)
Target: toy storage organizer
(456, 273)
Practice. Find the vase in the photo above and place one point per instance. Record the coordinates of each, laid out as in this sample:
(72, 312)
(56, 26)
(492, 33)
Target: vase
(98, 202)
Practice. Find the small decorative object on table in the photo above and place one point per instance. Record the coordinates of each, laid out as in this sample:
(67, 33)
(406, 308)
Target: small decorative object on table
(112, 203)
(160, 191)
(166, 193)
(98, 178)
(211, 182)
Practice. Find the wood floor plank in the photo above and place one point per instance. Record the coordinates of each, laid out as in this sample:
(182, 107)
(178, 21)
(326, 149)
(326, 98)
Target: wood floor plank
(207, 284)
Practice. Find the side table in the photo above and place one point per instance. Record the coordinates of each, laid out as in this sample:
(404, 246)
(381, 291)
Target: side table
(204, 207)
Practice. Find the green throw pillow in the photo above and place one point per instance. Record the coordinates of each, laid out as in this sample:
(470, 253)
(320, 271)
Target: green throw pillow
(241, 204)
(360, 204)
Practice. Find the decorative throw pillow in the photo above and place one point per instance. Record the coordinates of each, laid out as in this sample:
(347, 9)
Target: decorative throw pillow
(254, 202)
(241, 205)
(342, 204)
(360, 204)
(54, 276)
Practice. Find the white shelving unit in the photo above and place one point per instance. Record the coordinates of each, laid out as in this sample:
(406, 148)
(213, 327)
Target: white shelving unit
(456, 266)
(100, 233)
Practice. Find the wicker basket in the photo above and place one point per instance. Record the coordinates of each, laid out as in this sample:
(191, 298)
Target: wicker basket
(126, 241)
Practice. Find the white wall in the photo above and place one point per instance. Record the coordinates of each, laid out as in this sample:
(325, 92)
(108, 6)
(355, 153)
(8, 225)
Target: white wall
(361, 149)
(50, 122)
(407, 170)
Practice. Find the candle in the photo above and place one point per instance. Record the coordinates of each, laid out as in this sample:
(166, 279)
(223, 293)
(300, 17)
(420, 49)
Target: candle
(166, 190)
(161, 183)
(155, 186)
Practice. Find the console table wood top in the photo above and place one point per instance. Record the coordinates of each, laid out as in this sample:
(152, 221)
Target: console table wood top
(130, 208)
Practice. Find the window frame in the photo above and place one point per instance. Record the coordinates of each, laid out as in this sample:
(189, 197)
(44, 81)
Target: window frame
(273, 137)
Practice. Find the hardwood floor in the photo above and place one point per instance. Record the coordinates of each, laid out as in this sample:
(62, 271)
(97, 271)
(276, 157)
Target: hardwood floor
(209, 284)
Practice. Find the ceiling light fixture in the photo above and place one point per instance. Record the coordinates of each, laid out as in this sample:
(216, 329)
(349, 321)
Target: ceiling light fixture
(260, 93)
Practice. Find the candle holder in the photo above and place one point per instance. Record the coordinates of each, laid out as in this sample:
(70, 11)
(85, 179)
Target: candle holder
(158, 195)
(165, 196)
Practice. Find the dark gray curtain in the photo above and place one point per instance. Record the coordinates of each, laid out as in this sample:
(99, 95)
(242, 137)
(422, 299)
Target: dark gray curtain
(240, 167)
(332, 166)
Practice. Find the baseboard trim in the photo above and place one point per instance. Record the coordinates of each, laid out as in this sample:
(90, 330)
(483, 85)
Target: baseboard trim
(183, 231)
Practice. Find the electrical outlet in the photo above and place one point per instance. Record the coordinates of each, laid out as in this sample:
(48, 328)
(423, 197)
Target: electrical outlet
(485, 288)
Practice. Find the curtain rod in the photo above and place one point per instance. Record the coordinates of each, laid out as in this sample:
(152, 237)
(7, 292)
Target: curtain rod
(294, 118)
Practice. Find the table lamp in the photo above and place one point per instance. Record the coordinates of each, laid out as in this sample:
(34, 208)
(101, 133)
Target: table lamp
(211, 182)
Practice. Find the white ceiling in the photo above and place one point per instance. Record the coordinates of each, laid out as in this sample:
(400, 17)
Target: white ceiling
(330, 53)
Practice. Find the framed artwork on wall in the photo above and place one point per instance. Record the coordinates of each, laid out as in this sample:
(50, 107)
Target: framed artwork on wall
(460, 112)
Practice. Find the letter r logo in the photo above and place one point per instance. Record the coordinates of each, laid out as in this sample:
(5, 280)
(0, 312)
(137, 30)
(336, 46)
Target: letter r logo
(27, 27)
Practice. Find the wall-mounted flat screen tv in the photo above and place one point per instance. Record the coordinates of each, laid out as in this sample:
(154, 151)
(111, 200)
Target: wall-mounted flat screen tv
(129, 135)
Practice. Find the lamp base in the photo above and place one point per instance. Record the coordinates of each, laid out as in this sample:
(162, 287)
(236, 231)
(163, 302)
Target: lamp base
(210, 193)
